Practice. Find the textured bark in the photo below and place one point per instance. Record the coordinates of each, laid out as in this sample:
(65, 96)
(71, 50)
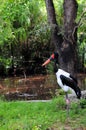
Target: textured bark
(55, 38)
(50, 12)
(66, 46)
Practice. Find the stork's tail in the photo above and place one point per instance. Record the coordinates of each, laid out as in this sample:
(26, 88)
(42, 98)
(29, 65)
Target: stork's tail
(72, 84)
(78, 92)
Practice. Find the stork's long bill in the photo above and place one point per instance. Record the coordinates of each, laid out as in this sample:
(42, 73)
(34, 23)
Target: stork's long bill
(48, 61)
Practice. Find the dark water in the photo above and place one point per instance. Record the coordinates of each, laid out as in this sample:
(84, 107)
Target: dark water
(36, 87)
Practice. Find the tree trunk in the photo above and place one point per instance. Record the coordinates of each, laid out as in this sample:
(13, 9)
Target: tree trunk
(66, 47)
(55, 38)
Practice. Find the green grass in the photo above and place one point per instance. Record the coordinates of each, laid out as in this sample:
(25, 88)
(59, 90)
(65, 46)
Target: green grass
(21, 115)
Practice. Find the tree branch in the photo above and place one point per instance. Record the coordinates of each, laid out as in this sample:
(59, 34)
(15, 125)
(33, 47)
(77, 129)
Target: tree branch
(78, 24)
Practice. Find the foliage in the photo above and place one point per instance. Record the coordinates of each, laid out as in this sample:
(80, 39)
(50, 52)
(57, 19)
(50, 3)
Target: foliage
(25, 34)
(83, 103)
(23, 31)
(39, 115)
(18, 19)
(81, 20)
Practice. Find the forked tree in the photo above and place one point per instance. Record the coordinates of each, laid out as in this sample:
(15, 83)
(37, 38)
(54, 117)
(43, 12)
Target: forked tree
(66, 43)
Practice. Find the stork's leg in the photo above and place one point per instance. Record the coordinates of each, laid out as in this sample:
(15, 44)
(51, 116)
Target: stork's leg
(67, 99)
(68, 104)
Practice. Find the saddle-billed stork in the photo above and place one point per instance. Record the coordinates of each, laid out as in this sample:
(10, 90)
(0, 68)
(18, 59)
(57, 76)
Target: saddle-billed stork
(64, 79)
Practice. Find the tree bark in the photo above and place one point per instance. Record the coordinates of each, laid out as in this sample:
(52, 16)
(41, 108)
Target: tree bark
(51, 16)
(68, 49)
(65, 45)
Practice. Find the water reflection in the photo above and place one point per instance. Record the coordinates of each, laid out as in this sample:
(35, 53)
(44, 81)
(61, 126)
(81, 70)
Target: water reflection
(22, 82)
(37, 87)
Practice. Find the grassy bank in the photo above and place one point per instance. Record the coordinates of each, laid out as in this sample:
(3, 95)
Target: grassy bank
(21, 115)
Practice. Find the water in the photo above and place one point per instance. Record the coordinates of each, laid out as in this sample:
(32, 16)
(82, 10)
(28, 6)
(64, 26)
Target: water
(32, 88)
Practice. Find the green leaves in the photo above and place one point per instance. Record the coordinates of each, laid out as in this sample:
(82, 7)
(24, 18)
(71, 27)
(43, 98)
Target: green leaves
(25, 21)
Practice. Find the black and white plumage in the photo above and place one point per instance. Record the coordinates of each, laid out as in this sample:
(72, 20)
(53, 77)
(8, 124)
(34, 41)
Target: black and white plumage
(64, 79)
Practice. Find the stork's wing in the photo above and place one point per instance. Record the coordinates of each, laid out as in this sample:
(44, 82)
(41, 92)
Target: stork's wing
(73, 78)
(72, 84)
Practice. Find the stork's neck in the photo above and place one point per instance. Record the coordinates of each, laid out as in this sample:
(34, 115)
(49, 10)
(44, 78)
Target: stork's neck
(56, 68)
